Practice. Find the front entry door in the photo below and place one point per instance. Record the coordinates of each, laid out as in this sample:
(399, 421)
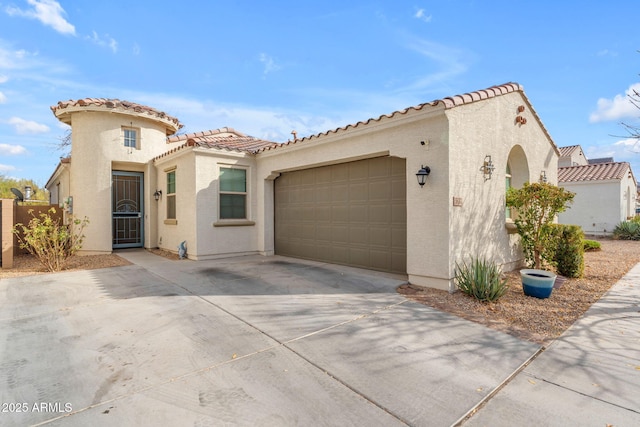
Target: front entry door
(127, 209)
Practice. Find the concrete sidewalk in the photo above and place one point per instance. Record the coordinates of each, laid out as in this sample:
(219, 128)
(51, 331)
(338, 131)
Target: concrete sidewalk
(240, 341)
(590, 376)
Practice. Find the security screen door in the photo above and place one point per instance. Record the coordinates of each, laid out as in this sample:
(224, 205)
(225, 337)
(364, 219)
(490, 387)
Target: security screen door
(127, 209)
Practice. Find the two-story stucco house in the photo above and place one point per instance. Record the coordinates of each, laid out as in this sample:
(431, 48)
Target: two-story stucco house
(349, 195)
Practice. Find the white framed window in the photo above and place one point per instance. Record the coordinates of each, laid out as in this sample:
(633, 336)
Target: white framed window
(233, 193)
(508, 186)
(131, 137)
(171, 195)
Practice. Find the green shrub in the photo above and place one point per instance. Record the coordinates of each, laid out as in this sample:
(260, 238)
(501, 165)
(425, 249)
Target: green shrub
(569, 250)
(537, 205)
(635, 219)
(480, 279)
(591, 245)
(51, 242)
(627, 230)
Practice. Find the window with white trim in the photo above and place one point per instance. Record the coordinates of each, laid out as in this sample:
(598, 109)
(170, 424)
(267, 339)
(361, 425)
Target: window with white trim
(130, 136)
(508, 186)
(171, 194)
(233, 193)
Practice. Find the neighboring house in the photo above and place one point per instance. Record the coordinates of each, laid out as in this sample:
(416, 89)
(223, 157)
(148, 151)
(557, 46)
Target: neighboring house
(605, 195)
(572, 156)
(347, 196)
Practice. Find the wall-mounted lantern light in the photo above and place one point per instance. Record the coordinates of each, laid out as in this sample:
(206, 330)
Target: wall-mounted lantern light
(543, 177)
(157, 195)
(487, 167)
(422, 175)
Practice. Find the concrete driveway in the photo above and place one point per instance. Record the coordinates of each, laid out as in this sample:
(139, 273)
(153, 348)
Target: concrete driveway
(240, 341)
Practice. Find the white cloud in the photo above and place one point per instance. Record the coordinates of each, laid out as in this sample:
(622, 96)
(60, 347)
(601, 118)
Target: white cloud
(450, 62)
(6, 168)
(12, 150)
(3, 98)
(3, 79)
(421, 15)
(14, 59)
(272, 124)
(269, 64)
(625, 150)
(619, 107)
(27, 126)
(107, 41)
(48, 12)
(136, 49)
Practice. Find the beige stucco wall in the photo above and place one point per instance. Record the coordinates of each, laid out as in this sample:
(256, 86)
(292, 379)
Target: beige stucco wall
(576, 158)
(401, 136)
(478, 227)
(455, 144)
(599, 206)
(197, 172)
(97, 149)
(171, 233)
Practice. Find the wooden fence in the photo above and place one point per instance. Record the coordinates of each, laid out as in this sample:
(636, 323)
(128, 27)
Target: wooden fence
(12, 214)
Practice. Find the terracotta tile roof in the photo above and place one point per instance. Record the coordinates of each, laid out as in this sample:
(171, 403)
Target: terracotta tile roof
(568, 150)
(594, 172)
(446, 103)
(59, 109)
(223, 138)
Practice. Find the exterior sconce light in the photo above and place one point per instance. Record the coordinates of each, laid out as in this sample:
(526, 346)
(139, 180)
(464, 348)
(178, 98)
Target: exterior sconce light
(422, 175)
(157, 195)
(488, 167)
(543, 177)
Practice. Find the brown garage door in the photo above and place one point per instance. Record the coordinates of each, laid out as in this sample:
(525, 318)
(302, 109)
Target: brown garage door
(351, 213)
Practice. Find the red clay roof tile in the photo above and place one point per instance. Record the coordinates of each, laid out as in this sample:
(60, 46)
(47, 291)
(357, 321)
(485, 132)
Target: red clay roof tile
(593, 172)
(449, 102)
(115, 103)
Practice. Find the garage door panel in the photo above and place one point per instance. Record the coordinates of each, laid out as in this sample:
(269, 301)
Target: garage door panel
(358, 236)
(340, 193)
(380, 191)
(352, 213)
(358, 213)
(380, 213)
(340, 213)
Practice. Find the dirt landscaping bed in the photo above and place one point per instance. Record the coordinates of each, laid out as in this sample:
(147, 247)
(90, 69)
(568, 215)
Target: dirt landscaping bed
(533, 319)
(27, 265)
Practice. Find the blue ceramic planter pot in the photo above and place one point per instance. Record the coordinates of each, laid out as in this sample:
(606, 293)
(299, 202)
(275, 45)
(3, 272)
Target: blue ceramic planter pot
(537, 283)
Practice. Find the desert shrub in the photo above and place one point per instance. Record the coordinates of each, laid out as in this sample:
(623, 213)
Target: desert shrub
(50, 241)
(627, 230)
(537, 205)
(635, 219)
(591, 245)
(480, 279)
(569, 250)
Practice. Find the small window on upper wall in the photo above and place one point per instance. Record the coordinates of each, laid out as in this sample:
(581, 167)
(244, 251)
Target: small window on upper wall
(130, 137)
(233, 193)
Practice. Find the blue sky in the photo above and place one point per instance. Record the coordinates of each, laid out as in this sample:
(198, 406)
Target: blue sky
(266, 68)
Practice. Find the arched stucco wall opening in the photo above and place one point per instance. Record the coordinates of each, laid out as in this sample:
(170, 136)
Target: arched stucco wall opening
(518, 166)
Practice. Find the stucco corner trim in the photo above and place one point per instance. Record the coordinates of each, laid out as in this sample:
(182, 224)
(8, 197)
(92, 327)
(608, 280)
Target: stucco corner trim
(232, 223)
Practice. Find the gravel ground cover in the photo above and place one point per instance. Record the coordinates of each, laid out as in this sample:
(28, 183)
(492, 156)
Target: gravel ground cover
(533, 319)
